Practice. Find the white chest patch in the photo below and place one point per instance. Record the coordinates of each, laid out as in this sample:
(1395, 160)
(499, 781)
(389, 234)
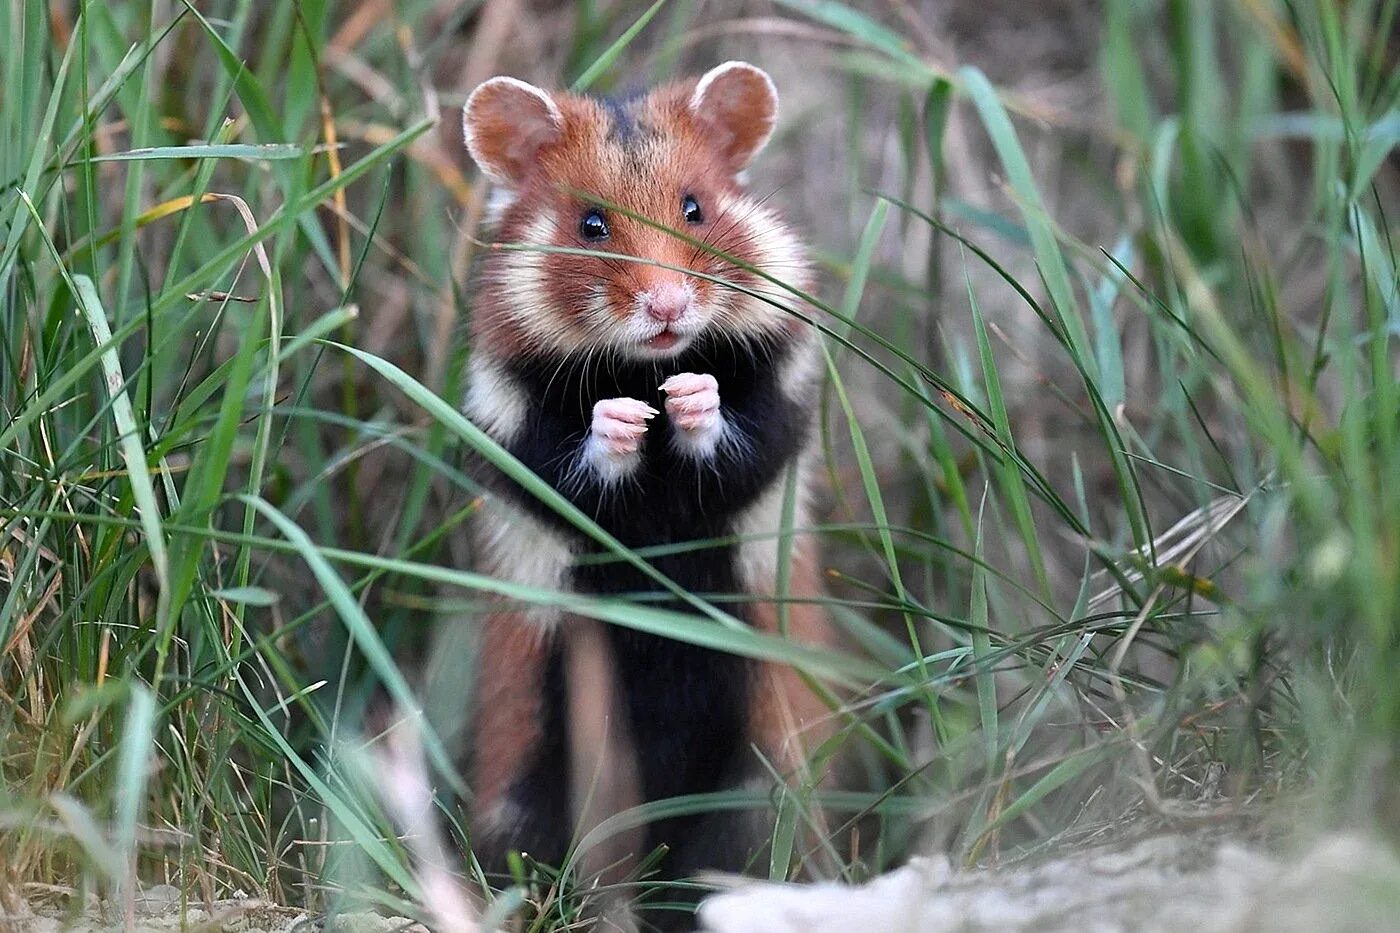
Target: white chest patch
(515, 547)
(757, 528)
(495, 402)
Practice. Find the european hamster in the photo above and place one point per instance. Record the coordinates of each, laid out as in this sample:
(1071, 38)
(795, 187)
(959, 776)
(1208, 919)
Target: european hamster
(668, 407)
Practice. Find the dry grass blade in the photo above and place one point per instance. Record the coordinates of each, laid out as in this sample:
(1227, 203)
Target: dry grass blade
(1174, 547)
(401, 780)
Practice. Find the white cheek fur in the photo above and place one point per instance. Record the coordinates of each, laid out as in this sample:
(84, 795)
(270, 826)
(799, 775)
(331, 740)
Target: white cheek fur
(500, 200)
(778, 253)
(521, 279)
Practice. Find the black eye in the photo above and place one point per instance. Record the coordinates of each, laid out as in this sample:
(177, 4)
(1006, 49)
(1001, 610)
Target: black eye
(691, 208)
(593, 226)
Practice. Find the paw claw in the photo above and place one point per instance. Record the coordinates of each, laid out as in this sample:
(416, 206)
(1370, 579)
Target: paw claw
(689, 384)
(692, 404)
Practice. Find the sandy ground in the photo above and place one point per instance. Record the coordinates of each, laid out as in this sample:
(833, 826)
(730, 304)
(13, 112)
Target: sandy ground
(1173, 883)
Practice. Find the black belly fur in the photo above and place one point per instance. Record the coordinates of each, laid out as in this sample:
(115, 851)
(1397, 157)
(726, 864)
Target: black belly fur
(688, 706)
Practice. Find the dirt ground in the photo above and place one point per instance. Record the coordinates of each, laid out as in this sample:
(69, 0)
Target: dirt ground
(158, 910)
(1205, 881)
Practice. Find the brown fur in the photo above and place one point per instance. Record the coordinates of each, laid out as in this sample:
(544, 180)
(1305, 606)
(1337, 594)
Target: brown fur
(508, 707)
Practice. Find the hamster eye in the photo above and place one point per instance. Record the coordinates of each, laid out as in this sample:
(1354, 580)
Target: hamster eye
(691, 208)
(593, 226)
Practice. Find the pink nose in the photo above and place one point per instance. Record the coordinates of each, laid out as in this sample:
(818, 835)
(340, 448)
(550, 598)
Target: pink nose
(667, 302)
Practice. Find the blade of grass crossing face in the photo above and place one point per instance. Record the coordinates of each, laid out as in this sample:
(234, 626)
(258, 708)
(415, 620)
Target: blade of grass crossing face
(933, 378)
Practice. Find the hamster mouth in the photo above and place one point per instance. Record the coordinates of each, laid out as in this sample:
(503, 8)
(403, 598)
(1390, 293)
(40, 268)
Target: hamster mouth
(664, 340)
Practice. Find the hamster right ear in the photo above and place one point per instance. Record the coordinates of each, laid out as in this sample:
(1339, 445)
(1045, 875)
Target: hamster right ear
(739, 104)
(505, 124)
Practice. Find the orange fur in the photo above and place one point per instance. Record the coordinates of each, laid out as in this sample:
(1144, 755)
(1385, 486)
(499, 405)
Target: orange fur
(508, 703)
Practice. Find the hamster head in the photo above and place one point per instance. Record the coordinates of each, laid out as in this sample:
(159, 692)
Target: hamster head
(645, 191)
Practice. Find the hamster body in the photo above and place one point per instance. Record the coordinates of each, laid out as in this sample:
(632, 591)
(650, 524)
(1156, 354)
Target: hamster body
(668, 407)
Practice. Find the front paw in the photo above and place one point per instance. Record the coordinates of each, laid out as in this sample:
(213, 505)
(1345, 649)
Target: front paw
(614, 442)
(692, 405)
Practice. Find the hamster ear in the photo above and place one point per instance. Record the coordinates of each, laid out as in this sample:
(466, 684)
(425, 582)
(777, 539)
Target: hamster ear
(505, 123)
(739, 104)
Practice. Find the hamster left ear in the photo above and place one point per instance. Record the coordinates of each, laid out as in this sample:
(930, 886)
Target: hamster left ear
(739, 105)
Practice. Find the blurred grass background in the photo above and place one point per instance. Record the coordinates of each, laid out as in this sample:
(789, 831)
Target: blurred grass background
(1111, 436)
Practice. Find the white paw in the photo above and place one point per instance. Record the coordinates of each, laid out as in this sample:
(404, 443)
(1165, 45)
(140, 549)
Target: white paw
(692, 404)
(614, 445)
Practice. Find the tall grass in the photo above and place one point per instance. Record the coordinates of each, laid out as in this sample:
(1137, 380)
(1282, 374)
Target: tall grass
(1112, 452)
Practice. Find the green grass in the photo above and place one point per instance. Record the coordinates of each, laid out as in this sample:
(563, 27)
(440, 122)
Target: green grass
(1110, 435)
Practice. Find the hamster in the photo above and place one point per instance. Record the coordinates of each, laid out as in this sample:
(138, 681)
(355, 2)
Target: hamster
(668, 407)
